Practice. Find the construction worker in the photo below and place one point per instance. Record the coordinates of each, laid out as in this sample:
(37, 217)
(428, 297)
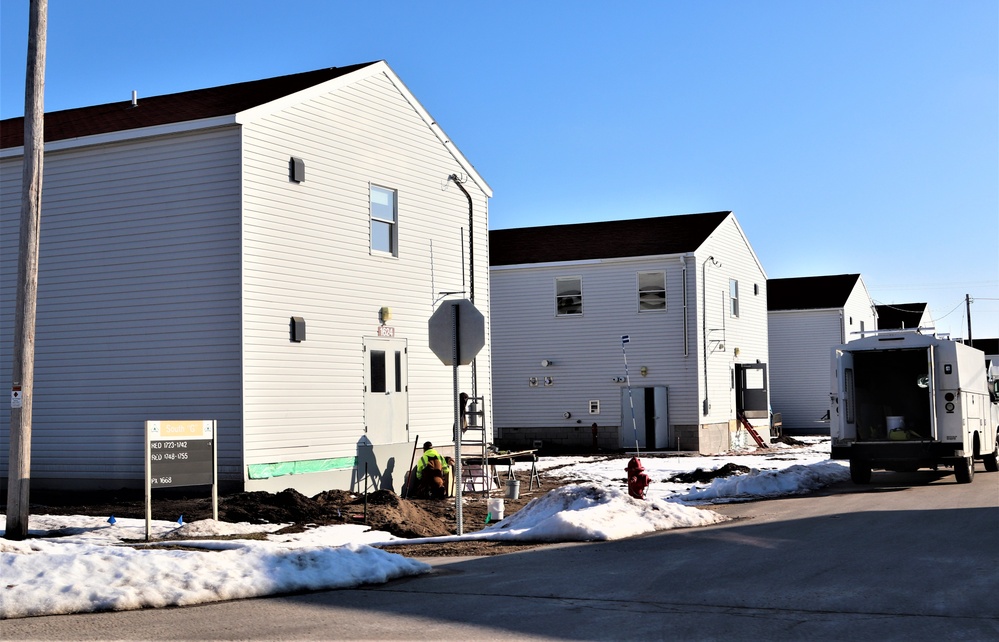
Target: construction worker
(431, 471)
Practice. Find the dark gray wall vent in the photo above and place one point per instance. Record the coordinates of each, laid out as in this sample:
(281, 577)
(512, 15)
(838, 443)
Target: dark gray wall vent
(297, 169)
(297, 329)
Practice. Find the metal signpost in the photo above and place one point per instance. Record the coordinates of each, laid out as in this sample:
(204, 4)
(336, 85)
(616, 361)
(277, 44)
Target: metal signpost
(625, 340)
(457, 333)
(181, 453)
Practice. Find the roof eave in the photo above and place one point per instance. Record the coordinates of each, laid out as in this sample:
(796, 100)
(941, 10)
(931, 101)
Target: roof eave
(127, 134)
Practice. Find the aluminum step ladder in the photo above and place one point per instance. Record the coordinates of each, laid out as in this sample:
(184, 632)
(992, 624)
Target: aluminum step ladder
(481, 477)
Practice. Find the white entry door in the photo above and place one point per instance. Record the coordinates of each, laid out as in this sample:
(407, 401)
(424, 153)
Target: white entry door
(644, 416)
(386, 391)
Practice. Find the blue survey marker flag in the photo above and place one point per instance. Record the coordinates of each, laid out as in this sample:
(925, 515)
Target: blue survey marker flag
(625, 338)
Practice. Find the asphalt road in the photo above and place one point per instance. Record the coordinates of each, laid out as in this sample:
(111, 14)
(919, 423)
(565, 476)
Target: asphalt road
(912, 556)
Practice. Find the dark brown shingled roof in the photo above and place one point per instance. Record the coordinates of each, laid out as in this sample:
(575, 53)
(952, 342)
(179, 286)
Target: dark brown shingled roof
(603, 240)
(988, 346)
(810, 292)
(171, 108)
(899, 315)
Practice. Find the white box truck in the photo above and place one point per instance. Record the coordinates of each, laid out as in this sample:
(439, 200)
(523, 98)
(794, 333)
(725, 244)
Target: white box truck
(903, 400)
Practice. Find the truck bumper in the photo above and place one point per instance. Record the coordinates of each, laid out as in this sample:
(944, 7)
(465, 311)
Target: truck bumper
(925, 453)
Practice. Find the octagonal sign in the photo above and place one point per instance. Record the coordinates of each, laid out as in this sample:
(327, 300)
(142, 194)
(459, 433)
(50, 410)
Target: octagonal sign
(466, 323)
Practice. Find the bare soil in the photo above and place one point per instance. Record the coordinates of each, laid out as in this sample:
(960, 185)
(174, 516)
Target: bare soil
(381, 510)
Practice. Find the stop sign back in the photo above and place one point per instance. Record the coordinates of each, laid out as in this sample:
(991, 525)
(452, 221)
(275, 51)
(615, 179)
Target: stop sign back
(457, 318)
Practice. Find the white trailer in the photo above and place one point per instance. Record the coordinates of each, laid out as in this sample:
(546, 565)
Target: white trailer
(902, 401)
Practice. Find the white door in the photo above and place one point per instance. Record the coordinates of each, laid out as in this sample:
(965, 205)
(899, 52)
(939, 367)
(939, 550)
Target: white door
(661, 417)
(648, 427)
(844, 401)
(386, 391)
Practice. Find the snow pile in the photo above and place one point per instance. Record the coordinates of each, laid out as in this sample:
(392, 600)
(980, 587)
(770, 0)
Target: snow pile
(793, 480)
(589, 512)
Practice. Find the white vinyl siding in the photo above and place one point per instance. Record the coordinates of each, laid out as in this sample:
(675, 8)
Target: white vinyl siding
(307, 253)
(138, 300)
(721, 332)
(800, 343)
(858, 313)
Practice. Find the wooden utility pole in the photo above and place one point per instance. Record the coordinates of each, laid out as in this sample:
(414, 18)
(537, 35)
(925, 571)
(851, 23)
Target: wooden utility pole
(23, 373)
(967, 305)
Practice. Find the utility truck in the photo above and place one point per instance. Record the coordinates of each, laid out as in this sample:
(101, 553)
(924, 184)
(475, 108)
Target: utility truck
(903, 400)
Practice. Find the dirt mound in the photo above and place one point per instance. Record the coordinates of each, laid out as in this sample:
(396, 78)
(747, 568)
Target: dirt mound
(383, 511)
(701, 476)
(403, 518)
(287, 506)
(790, 441)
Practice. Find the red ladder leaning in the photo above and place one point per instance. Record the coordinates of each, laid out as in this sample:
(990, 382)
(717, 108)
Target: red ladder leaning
(752, 431)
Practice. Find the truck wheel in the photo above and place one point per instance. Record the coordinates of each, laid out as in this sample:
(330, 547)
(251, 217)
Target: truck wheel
(965, 470)
(992, 460)
(860, 471)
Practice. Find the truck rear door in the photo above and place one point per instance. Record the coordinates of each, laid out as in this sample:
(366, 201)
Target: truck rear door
(845, 391)
(932, 383)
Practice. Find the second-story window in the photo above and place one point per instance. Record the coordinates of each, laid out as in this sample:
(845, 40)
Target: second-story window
(384, 219)
(568, 295)
(733, 297)
(651, 291)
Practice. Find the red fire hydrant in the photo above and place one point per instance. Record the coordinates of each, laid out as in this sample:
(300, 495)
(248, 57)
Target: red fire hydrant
(638, 479)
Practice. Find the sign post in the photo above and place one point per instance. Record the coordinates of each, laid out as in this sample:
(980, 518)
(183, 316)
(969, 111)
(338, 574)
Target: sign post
(625, 340)
(181, 453)
(457, 333)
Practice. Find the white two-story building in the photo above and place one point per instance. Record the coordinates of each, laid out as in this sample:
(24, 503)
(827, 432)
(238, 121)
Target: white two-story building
(264, 254)
(689, 294)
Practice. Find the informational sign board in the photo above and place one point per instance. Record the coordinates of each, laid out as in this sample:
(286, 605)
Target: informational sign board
(180, 453)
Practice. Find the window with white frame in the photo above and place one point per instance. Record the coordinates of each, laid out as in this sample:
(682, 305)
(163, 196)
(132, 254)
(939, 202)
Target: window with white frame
(733, 297)
(384, 219)
(568, 295)
(651, 291)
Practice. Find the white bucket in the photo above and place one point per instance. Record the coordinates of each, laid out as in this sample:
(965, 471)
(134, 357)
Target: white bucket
(495, 509)
(895, 423)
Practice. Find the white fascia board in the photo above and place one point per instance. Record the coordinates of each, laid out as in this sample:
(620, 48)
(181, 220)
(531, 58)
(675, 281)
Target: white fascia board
(439, 132)
(562, 264)
(742, 233)
(800, 310)
(380, 67)
(535, 266)
(867, 294)
(749, 245)
(126, 134)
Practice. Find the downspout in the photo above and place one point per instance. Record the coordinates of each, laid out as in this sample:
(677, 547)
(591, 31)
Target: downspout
(471, 267)
(683, 285)
(704, 325)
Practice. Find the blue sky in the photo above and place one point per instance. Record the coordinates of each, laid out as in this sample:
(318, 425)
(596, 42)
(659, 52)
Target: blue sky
(848, 136)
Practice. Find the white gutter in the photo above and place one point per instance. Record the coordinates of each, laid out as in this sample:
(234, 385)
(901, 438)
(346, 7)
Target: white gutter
(126, 134)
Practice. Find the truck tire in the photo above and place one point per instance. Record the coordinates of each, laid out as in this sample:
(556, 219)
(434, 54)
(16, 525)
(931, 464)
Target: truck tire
(991, 460)
(860, 471)
(964, 470)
